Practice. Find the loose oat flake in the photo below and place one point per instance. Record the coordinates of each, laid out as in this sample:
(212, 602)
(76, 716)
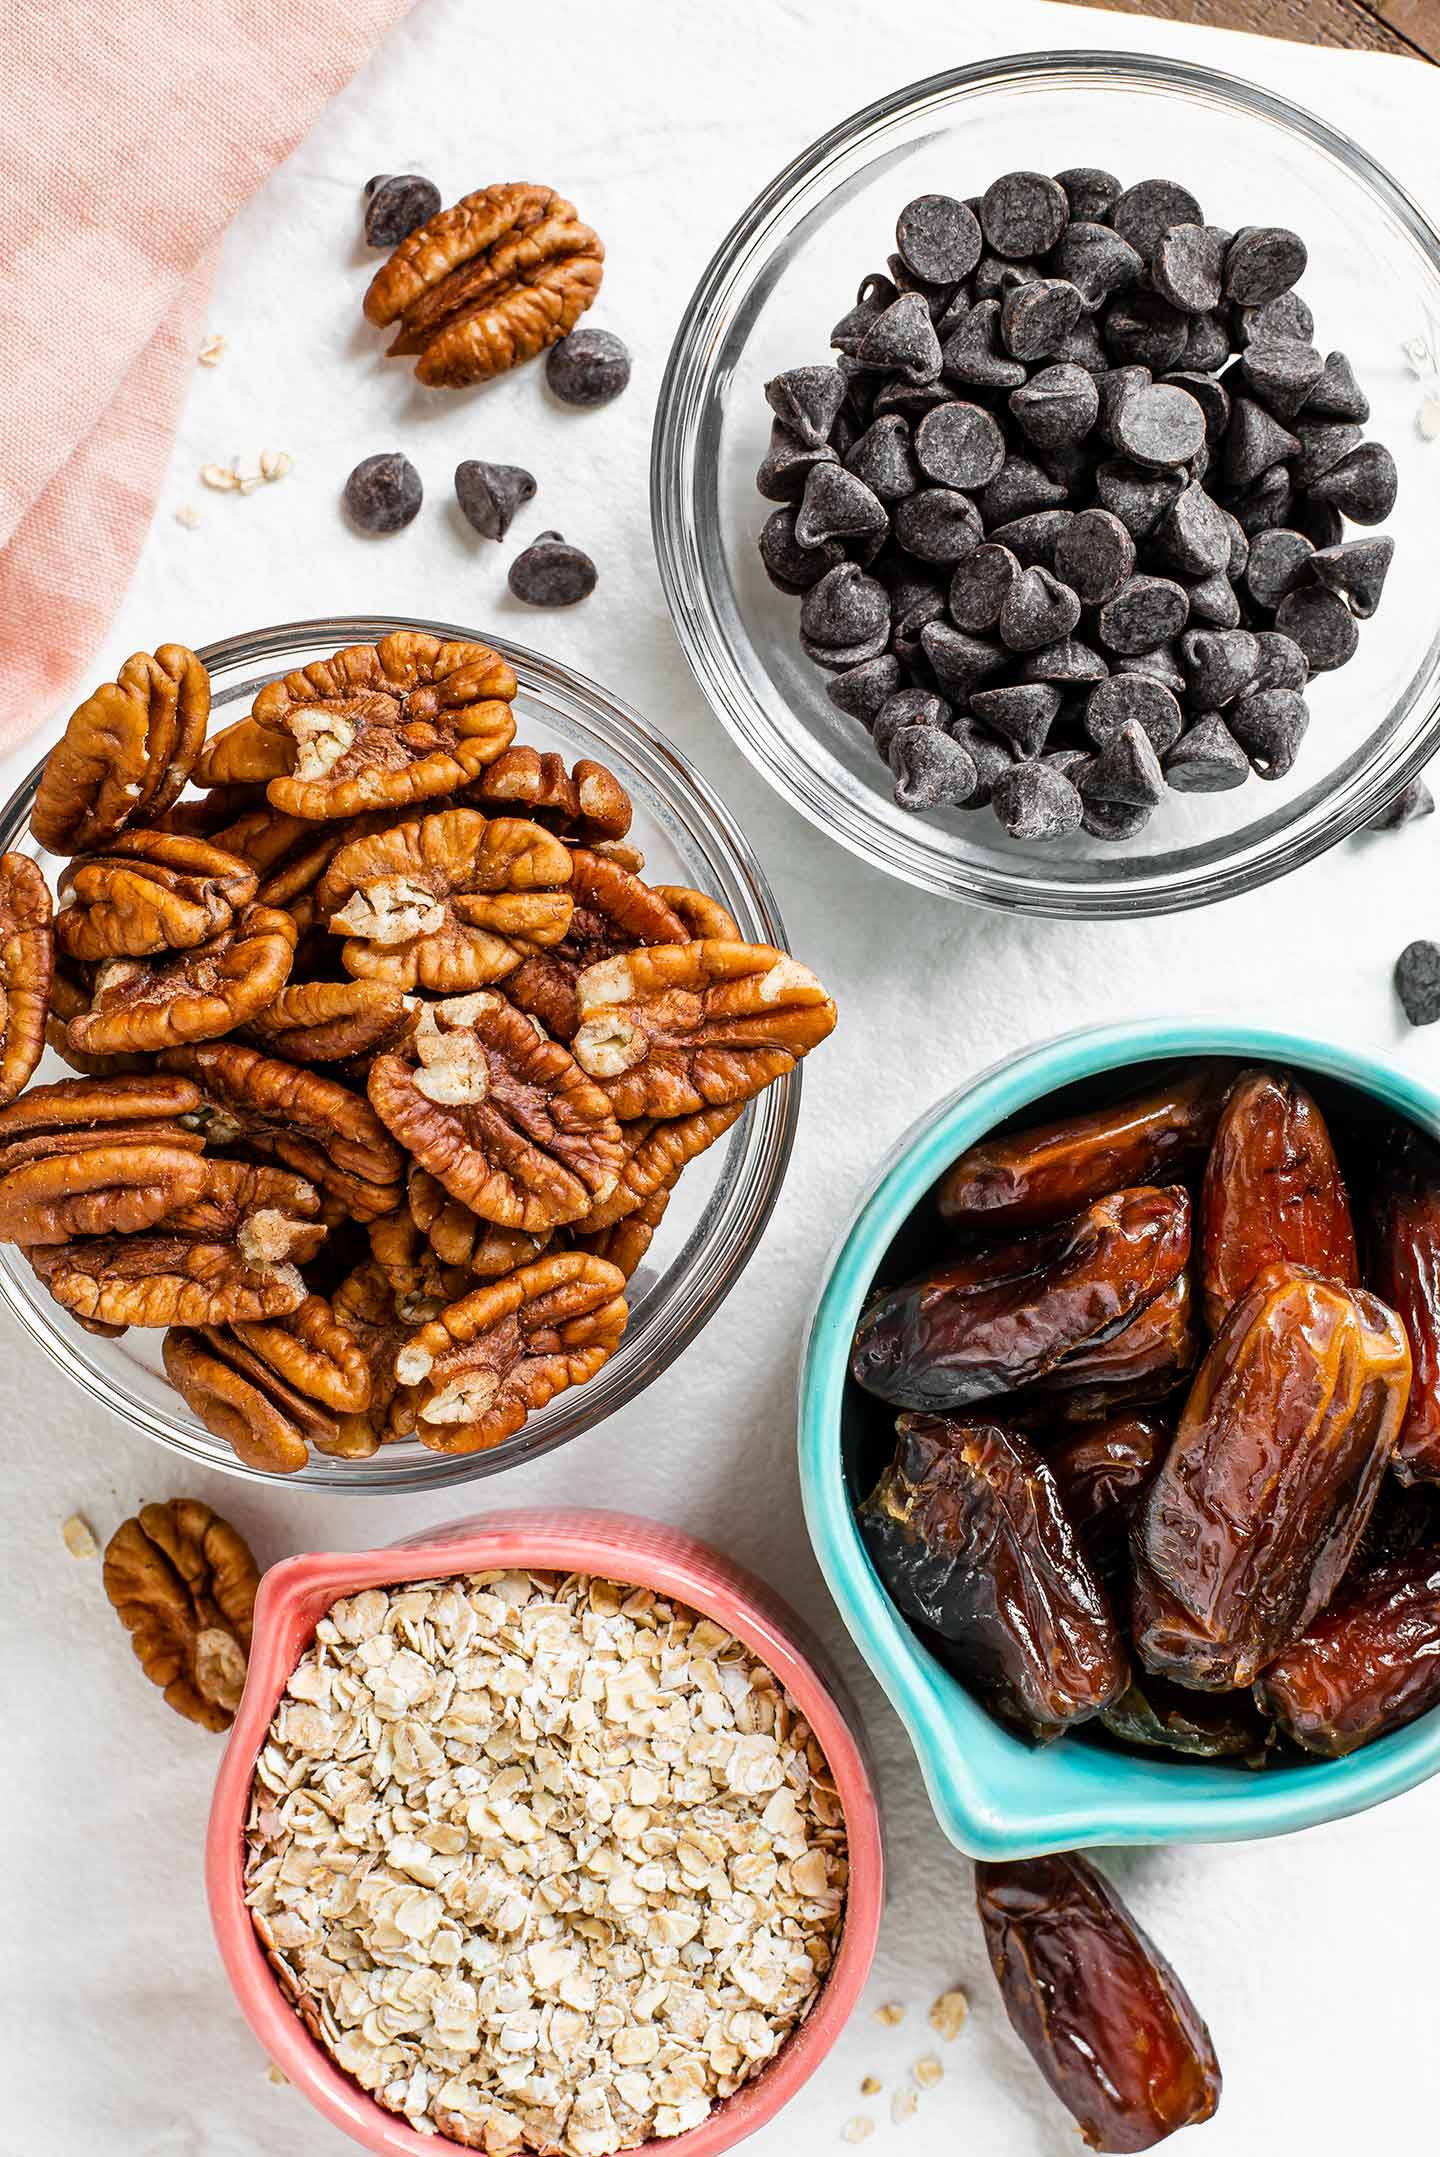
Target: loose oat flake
(79, 1537)
(927, 2071)
(871, 2086)
(902, 2106)
(891, 2015)
(211, 352)
(858, 2129)
(187, 516)
(947, 2014)
(543, 1862)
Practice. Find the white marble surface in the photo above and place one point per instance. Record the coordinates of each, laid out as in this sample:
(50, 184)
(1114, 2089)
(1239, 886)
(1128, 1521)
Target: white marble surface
(1311, 1957)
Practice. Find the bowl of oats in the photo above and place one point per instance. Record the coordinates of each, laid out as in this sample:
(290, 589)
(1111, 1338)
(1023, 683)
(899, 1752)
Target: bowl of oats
(544, 1832)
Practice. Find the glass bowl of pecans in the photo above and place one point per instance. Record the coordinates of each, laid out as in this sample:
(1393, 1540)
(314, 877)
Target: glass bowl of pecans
(1014, 522)
(642, 2033)
(1120, 1438)
(331, 1164)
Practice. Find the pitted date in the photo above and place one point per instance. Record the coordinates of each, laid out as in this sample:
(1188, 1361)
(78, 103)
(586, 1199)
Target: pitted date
(1405, 1270)
(1159, 1716)
(1103, 1473)
(967, 1532)
(1264, 1494)
(1004, 1315)
(1367, 1665)
(1095, 2003)
(1028, 1179)
(1273, 1190)
(1142, 1363)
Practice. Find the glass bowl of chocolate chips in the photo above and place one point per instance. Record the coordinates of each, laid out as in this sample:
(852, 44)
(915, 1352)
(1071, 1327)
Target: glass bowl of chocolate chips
(1033, 456)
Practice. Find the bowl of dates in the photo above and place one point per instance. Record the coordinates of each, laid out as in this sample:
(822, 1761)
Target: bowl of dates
(1018, 523)
(1120, 1438)
(400, 1054)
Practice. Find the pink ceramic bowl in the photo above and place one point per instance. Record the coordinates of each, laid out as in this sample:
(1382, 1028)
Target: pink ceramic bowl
(618, 1546)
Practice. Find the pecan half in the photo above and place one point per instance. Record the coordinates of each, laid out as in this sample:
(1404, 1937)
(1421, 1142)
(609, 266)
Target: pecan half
(420, 1285)
(703, 916)
(27, 964)
(364, 1305)
(447, 902)
(655, 1153)
(683, 1027)
(585, 805)
(231, 1253)
(323, 1022)
(460, 1238)
(485, 285)
(183, 1582)
(475, 1373)
(316, 1126)
(274, 1388)
(627, 1240)
(148, 892)
(191, 995)
(87, 1157)
(502, 1116)
(205, 816)
(375, 726)
(126, 753)
(613, 912)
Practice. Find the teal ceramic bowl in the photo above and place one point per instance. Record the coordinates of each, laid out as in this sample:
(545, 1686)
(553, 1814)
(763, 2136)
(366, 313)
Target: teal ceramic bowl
(994, 1795)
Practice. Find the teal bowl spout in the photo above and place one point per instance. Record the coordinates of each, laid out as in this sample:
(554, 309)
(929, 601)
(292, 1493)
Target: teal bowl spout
(994, 1795)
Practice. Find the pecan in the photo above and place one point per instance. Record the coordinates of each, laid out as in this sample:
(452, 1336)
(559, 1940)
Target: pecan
(655, 1152)
(420, 1285)
(273, 1388)
(316, 1126)
(460, 1238)
(364, 1305)
(322, 1022)
(27, 961)
(70, 995)
(703, 916)
(613, 912)
(585, 805)
(502, 1116)
(626, 1241)
(447, 902)
(475, 1373)
(205, 816)
(183, 1583)
(148, 892)
(126, 754)
(230, 1253)
(375, 726)
(95, 1156)
(480, 288)
(683, 1027)
(192, 995)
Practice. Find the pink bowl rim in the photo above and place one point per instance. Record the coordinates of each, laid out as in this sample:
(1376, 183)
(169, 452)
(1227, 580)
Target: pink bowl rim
(617, 1546)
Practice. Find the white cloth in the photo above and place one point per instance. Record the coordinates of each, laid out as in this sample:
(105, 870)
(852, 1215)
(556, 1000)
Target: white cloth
(1311, 1956)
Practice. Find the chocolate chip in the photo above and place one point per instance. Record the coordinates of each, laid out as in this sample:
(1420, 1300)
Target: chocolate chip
(1057, 405)
(1082, 347)
(861, 692)
(1133, 700)
(1411, 804)
(397, 204)
(1189, 267)
(961, 662)
(1091, 192)
(1322, 443)
(1361, 486)
(1162, 665)
(855, 325)
(1262, 262)
(1158, 424)
(1207, 344)
(1069, 663)
(1279, 662)
(883, 458)
(1023, 213)
(1279, 563)
(1337, 394)
(551, 573)
(1207, 759)
(974, 355)
(1034, 801)
(1269, 725)
(788, 565)
(1280, 373)
(837, 505)
(994, 277)
(1115, 819)
(991, 757)
(1266, 502)
(1356, 570)
(1212, 397)
(807, 399)
(1213, 602)
(1038, 315)
(1194, 534)
(1033, 539)
(490, 495)
(938, 238)
(1038, 610)
(907, 624)
(1072, 764)
(589, 368)
(1417, 982)
(1137, 497)
(1144, 213)
(908, 710)
(1127, 769)
(383, 492)
(1144, 330)
(1255, 441)
(1097, 262)
(959, 445)
(1022, 712)
(912, 400)
(1094, 554)
(1287, 316)
(980, 585)
(1321, 624)
(1321, 522)
(1143, 613)
(1017, 490)
(903, 338)
(1219, 665)
(846, 607)
(931, 769)
(938, 524)
(787, 464)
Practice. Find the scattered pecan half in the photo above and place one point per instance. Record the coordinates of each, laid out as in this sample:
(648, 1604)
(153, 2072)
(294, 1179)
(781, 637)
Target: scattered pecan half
(377, 726)
(231, 1253)
(273, 1388)
(317, 1127)
(27, 964)
(126, 753)
(682, 1027)
(486, 285)
(655, 1153)
(191, 995)
(324, 1022)
(586, 805)
(148, 892)
(447, 902)
(502, 1116)
(183, 1583)
(613, 912)
(475, 1373)
(87, 1156)
(460, 1238)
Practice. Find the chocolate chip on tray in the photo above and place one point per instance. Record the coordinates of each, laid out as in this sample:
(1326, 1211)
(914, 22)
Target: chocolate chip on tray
(490, 495)
(1417, 982)
(1074, 502)
(1411, 804)
(383, 492)
(551, 573)
(588, 368)
(397, 204)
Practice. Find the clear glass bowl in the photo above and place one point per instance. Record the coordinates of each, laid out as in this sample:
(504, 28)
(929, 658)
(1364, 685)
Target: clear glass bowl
(789, 269)
(722, 1202)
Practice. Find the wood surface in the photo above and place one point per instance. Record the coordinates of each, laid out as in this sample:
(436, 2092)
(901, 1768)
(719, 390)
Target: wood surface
(1411, 27)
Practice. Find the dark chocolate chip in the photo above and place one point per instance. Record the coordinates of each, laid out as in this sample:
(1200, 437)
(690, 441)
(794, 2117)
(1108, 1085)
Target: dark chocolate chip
(1357, 570)
(1262, 262)
(861, 692)
(1145, 212)
(994, 277)
(1269, 725)
(1280, 373)
(1023, 213)
(980, 585)
(959, 445)
(1321, 624)
(1091, 192)
(1115, 819)
(1133, 700)
(1337, 394)
(1189, 266)
(1082, 347)
(1212, 397)
(1127, 769)
(938, 238)
(1057, 405)
(1279, 563)
(591, 367)
(1036, 317)
(1162, 665)
(1417, 982)
(961, 662)
(991, 757)
(1321, 522)
(1407, 807)
(1038, 610)
(837, 505)
(490, 495)
(397, 204)
(1279, 662)
(1255, 441)
(1144, 330)
(1213, 600)
(1022, 712)
(931, 769)
(1266, 502)
(1361, 486)
(1207, 759)
(1137, 497)
(1097, 262)
(1194, 535)
(552, 573)
(1094, 554)
(846, 607)
(1158, 425)
(938, 524)
(1144, 612)
(1219, 665)
(1035, 801)
(882, 457)
(1033, 539)
(974, 355)
(907, 709)
(1207, 344)
(854, 327)
(782, 475)
(1018, 489)
(807, 399)
(1070, 663)
(383, 492)
(1287, 316)
(787, 564)
(1322, 443)
(903, 339)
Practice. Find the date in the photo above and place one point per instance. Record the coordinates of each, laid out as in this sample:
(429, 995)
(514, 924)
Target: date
(1405, 1270)
(1102, 1474)
(1003, 1315)
(968, 1535)
(1257, 1510)
(1160, 1716)
(1273, 1190)
(1367, 1665)
(1028, 1179)
(1140, 1364)
(1095, 2003)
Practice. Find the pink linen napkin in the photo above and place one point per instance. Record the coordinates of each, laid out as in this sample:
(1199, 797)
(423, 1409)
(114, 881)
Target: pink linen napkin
(134, 129)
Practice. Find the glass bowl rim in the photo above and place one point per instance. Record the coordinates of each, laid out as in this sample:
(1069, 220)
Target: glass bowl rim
(707, 647)
(766, 1131)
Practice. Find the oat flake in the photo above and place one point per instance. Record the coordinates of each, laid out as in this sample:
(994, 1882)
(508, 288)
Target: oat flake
(79, 1537)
